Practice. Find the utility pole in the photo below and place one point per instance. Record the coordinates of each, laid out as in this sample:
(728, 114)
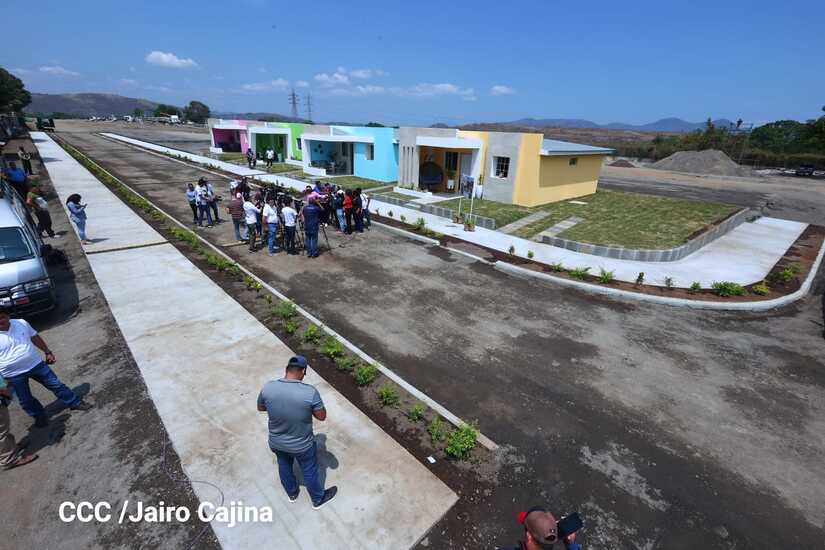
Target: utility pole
(293, 102)
(308, 105)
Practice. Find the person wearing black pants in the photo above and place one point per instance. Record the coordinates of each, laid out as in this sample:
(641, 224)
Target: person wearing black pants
(192, 198)
(357, 210)
(348, 207)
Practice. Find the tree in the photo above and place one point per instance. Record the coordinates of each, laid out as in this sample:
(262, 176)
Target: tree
(374, 125)
(13, 95)
(165, 110)
(137, 113)
(197, 112)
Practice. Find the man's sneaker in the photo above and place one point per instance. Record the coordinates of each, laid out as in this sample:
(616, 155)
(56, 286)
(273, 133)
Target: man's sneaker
(82, 406)
(329, 494)
(41, 421)
(293, 498)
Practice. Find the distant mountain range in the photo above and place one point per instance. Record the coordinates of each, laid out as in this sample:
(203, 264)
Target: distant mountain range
(258, 116)
(88, 104)
(664, 125)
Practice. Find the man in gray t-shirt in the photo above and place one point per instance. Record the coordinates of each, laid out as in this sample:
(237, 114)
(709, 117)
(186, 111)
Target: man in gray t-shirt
(291, 406)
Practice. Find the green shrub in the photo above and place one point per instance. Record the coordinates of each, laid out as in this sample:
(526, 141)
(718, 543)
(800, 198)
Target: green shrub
(530, 254)
(365, 375)
(416, 413)
(290, 326)
(437, 430)
(579, 273)
(345, 363)
(403, 218)
(640, 278)
(389, 213)
(727, 288)
(695, 287)
(388, 395)
(786, 274)
(669, 283)
(461, 441)
(285, 310)
(605, 276)
(312, 334)
(511, 250)
(331, 347)
(760, 289)
(420, 224)
(557, 267)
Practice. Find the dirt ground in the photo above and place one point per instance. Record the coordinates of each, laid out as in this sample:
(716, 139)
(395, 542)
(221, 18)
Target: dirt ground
(116, 451)
(663, 427)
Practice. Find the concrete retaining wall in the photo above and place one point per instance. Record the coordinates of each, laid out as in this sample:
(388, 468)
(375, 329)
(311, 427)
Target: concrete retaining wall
(481, 221)
(666, 255)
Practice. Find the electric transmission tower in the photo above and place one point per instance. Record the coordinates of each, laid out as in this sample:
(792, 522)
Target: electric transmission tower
(308, 105)
(293, 102)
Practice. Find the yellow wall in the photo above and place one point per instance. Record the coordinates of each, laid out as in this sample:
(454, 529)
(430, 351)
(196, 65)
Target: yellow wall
(482, 152)
(527, 170)
(557, 180)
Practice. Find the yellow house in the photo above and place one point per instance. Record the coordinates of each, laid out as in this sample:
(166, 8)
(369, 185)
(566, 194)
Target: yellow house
(516, 168)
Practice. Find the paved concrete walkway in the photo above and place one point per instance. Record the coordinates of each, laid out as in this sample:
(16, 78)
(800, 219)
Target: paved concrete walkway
(563, 225)
(204, 358)
(744, 256)
(527, 220)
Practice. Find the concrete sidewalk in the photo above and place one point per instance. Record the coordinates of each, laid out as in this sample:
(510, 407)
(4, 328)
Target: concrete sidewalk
(204, 358)
(745, 255)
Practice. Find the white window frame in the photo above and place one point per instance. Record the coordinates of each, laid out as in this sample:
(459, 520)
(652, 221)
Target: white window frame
(495, 170)
(370, 153)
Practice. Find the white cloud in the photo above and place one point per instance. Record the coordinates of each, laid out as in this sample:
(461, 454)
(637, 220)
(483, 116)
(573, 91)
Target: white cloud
(338, 78)
(427, 90)
(18, 70)
(128, 81)
(353, 91)
(169, 60)
(302, 84)
(501, 89)
(366, 73)
(57, 70)
(276, 85)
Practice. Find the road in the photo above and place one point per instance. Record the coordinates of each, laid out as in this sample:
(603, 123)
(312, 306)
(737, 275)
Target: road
(665, 428)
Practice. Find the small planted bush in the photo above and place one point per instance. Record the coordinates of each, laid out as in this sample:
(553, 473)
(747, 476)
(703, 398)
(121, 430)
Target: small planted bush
(389, 213)
(365, 375)
(695, 287)
(388, 396)
(511, 250)
(345, 363)
(416, 413)
(727, 288)
(312, 334)
(760, 289)
(605, 276)
(787, 273)
(331, 348)
(438, 430)
(285, 310)
(579, 273)
(290, 326)
(420, 224)
(640, 278)
(403, 218)
(669, 283)
(530, 254)
(557, 267)
(462, 441)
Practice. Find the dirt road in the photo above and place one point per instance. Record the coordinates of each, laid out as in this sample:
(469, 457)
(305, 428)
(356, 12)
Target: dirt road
(665, 428)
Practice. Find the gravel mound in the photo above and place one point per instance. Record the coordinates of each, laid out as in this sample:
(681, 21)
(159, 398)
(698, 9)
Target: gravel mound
(710, 161)
(622, 163)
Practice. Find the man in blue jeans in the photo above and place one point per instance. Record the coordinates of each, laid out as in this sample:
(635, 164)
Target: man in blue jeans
(20, 362)
(291, 406)
(311, 215)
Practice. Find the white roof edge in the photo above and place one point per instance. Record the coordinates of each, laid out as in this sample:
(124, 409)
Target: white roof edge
(228, 127)
(338, 138)
(547, 153)
(268, 130)
(449, 142)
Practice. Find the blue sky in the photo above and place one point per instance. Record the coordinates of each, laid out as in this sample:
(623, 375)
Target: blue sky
(424, 61)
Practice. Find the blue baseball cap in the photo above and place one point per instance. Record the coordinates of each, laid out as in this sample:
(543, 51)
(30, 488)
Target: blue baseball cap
(299, 361)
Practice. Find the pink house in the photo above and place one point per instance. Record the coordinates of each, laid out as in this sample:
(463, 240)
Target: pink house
(229, 136)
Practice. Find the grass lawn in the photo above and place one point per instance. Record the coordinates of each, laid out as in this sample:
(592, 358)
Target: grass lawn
(399, 196)
(632, 220)
(351, 182)
(501, 212)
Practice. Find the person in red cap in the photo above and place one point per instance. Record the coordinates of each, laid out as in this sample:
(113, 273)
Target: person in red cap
(541, 531)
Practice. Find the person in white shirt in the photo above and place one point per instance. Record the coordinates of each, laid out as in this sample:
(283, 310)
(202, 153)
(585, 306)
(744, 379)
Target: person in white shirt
(270, 156)
(271, 220)
(20, 362)
(202, 195)
(290, 215)
(365, 206)
(251, 212)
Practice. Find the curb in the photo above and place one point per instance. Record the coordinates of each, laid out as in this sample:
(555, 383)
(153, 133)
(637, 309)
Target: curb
(408, 234)
(409, 388)
(664, 300)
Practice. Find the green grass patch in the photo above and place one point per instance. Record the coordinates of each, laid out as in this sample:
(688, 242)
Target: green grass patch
(727, 288)
(345, 363)
(503, 213)
(461, 441)
(285, 310)
(388, 396)
(351, 182)
(312, 334)
(394, 195)
(331, 348)
(438, 430)
(365, 375)
(416, 413)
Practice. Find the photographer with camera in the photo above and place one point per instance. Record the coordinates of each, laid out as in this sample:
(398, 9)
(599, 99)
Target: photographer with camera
(271, 219)
(542, 530)
(338, 206)
(251, 212)
(290, 215)
(311, 216)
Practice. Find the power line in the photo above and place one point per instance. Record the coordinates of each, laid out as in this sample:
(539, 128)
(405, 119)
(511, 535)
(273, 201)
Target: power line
(308, 105)
(293, 102)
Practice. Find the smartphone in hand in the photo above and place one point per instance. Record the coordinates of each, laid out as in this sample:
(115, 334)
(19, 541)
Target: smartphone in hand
(569, 524)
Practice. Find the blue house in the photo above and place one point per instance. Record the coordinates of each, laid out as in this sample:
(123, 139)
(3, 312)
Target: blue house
(370, 153)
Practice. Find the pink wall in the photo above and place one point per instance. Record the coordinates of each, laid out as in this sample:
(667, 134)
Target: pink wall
(236, 136)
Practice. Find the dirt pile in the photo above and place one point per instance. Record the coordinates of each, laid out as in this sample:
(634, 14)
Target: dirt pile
(622, 163)
(710, 161)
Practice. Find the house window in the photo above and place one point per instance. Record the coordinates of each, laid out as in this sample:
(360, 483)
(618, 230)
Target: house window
(501, 166)
(370, 151)
(574, 161)
(299, 144)
(451, 161)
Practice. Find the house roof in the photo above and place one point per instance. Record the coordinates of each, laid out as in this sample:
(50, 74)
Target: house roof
(449, 142)
(551, 147)
(338, 138)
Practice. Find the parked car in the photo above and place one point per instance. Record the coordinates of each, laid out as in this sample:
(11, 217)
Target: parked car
(25, 283)
(806, 170)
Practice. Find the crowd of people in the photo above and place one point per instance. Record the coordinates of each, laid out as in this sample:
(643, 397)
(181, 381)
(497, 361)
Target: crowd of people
(274, 218)
(19, 178)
